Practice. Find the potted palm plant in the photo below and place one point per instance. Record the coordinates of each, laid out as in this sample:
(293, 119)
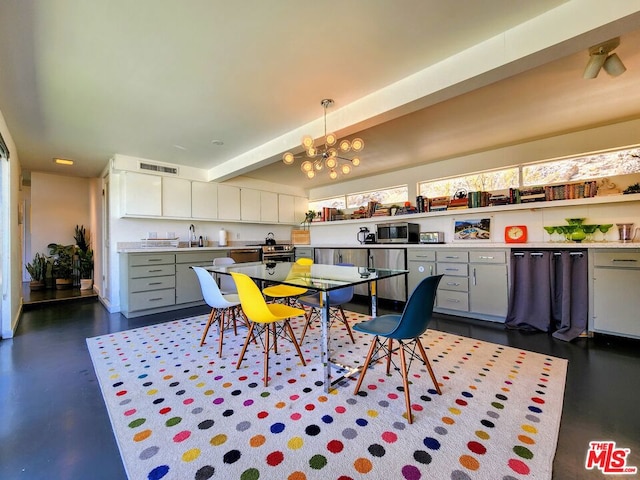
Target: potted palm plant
(62, 265)
(38, 271)
(85, 257)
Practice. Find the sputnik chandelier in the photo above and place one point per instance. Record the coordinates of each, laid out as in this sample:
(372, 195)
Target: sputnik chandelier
(330, 155)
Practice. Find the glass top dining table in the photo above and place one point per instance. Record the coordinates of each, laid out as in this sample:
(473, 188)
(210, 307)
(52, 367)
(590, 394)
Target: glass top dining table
(321, 278)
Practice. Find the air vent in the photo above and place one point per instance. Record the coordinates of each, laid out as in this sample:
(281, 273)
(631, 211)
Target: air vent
(158, 168)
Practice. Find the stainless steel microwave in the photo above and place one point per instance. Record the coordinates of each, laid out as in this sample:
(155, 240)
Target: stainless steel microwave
(400, 232)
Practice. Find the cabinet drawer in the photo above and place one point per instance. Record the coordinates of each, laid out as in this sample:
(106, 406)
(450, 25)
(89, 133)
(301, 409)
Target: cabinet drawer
(617, 259)
(452, 300)
(152, 283)
(460, 284)
(193, 258)
(458, 269)
(488, 256)
(452, 256)
(152, 259)
(421, 255)
(152, 271)
(153, 299)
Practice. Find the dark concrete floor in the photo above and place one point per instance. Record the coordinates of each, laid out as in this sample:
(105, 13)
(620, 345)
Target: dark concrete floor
(55, 425)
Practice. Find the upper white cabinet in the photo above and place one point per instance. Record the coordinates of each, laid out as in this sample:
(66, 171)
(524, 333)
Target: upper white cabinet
(291, 209)
(249, 205)
(176, 197)
(204, 200)
(301, 208)
(228, 202)
(141, 195)
(269, 207)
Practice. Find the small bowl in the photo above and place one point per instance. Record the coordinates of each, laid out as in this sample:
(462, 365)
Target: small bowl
(575, 221)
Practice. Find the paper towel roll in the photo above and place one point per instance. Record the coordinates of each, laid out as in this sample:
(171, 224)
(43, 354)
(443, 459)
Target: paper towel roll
(222, 241)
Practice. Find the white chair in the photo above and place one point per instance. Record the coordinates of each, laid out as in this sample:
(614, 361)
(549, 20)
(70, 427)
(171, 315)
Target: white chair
(225, 309)
(227, 285)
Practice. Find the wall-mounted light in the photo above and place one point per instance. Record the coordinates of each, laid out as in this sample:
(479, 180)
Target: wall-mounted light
(600, 56)
(62, 161)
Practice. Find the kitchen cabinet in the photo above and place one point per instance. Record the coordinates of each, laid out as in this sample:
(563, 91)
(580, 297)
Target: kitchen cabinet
(147, 283)
(187, 285)
(616, 303)
(141, 195)
(453, 291)
(291, 209)
(176, 197)
(204, 200)
(303, 252)
(488, 283)
(249, 205)
(228, 202)
(421, 263)
(269, 207)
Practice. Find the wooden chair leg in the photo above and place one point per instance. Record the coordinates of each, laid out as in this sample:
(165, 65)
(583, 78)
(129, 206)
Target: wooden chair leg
(390, 348)
(246, 343)
(346, 323)
(366, 365)
(405, 382)
(221, 326)
(287, 325)
(307, 322)
(206, 328)
(428, 364)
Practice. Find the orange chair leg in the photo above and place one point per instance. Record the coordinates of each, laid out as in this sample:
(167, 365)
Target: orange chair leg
(246, 343)
(287, 325)
(426, 361)
(405, 383)
(390, 348)
(307, 323)
(221, 321)
(366, 365)
(266, 354)
(346, 323)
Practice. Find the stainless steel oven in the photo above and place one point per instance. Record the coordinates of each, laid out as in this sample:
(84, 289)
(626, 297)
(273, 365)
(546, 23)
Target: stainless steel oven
(277, 253)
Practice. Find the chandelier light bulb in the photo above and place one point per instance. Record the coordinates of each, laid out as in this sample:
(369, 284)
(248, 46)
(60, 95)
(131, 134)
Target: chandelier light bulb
(333, 174)
(288, 158)
(355, 161)
(307, 141)
(306, 166)
(312, 152)
(345, 145)
(311, 174)
(331, 163)
(331, 139)
(318, 165)
(346, 169)
(357, 145)
(332, 152)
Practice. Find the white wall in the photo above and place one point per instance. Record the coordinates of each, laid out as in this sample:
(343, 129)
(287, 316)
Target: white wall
(10, 261)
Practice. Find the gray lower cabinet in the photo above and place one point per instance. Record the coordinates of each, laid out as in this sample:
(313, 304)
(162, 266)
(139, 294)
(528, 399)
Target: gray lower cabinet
(488, 283)
(616, 275)
(158, 282)
(421, 263)
(453, 291)
(303, 252)
(187, 285)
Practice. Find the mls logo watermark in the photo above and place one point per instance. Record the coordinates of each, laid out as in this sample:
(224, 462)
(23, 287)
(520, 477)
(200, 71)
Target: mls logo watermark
(608, 458)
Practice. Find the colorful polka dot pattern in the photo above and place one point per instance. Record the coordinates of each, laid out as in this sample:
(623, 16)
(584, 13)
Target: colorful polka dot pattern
(179, 411)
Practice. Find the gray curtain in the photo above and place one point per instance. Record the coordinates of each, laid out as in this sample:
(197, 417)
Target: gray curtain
(549, 292)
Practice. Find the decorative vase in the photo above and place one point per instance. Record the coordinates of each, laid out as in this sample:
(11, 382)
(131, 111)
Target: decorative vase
(578, 235)
(36, 285)
(86, 283)
(63, 283)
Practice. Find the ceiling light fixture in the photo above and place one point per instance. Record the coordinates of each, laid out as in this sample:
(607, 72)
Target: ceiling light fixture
(327, 155)
(62, 161)
(600, 56)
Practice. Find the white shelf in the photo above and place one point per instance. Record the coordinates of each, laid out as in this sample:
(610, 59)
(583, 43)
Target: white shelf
(634, 197)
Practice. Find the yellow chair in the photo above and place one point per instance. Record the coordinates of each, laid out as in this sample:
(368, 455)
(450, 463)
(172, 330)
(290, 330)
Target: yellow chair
(286, 292)
(265, 317)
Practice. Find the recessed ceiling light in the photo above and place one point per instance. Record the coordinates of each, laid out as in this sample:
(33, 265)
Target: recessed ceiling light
(62, 161)
(217, 142)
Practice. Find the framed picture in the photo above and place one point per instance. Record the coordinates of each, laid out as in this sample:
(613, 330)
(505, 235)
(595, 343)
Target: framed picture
(472, 229)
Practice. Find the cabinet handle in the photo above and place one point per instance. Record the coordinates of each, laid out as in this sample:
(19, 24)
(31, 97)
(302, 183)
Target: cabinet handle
(156, 270)
(155, 299)
(452, 256)
(474, 277)
(623, 260)
(453, 300)
(154, 283)
(453, 284)
(154, 260)
(430, 269)
(486, 258)
(452, 269)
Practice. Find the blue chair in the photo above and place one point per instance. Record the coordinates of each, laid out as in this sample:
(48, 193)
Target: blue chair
(406, 329)
(336, 299)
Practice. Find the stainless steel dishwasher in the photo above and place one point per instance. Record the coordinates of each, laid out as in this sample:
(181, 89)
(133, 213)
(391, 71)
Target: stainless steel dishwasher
(242, 255)
(394, 288)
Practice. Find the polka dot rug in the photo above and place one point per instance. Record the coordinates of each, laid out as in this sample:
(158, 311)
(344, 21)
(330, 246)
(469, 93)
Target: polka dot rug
(179, 411)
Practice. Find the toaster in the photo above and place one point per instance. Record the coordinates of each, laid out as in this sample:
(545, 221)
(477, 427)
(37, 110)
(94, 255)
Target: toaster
(431, 237)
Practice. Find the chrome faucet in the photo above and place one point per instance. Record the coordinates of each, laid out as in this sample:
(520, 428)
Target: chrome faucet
(192, 234)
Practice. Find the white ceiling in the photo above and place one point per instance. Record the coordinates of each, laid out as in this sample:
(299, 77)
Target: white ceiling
(163, 79)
